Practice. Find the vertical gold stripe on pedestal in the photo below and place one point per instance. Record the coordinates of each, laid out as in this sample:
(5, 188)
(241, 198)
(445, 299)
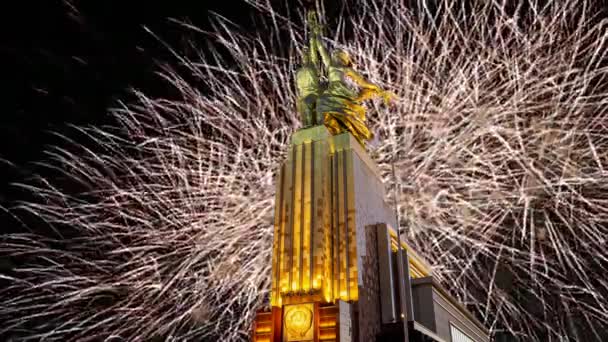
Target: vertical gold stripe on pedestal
(277, 250)
(289, 207)
(305, 268)
(296, 266)
(326, 225)
(341, 213)
(335, 236)
(347, 242)
(311, 216)
(285, 227)
(349, 197)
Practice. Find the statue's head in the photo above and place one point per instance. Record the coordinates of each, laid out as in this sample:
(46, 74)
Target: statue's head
(342, 58)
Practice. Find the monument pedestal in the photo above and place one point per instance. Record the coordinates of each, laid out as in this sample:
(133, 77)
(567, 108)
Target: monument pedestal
(328, 191)
(336, 265)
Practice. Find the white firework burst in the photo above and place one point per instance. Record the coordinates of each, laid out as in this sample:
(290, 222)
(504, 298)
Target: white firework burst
(499, 138)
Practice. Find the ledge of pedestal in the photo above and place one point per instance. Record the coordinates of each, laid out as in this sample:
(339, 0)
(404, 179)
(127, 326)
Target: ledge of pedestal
(340, 142)
(315, 133)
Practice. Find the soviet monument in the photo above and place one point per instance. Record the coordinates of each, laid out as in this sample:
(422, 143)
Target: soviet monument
(333, 104)
(340, 271)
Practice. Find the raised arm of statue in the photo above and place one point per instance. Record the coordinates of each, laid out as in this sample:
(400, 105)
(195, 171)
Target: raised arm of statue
(314, 53)
(315, 41)
(313, 29)
(325, 58)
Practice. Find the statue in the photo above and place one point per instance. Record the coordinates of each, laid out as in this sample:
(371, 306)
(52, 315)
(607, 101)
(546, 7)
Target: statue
(339, 106)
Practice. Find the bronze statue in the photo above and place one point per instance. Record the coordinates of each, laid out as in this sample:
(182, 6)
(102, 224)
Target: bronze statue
(339, 106)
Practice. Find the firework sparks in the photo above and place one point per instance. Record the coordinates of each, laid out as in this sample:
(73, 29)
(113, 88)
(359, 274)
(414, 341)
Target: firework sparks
(499, 135)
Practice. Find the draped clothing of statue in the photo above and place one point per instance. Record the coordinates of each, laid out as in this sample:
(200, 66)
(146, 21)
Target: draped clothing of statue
(340, 108)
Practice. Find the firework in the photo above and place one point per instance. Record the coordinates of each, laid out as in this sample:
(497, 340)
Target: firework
(498, 135)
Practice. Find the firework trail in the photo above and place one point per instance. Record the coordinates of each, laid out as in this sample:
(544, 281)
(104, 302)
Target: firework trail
(499, 136)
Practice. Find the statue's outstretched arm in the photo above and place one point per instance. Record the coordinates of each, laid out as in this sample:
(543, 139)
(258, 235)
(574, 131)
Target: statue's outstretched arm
(369, 90)
(360, 80)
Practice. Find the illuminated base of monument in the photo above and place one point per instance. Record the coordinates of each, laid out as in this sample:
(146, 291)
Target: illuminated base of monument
(339, 271)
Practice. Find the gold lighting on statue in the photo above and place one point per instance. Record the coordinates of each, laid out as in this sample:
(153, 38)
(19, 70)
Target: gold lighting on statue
(334, 104)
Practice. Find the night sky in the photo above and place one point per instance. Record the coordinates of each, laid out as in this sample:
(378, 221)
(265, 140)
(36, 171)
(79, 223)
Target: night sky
(68, 62)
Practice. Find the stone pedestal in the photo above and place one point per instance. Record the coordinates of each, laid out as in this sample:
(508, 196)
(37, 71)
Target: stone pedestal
(328, 191)
(337, 261)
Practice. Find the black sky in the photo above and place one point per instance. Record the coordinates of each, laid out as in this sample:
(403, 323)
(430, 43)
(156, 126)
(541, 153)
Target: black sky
(67, 62)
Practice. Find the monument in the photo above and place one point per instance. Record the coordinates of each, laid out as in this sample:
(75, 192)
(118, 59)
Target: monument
(340, 272)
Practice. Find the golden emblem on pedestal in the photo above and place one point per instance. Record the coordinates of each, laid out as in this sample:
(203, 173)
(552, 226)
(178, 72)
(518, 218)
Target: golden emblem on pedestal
(299, 322)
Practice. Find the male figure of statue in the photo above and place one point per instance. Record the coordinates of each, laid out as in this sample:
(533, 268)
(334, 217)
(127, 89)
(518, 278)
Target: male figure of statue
(308, 80)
